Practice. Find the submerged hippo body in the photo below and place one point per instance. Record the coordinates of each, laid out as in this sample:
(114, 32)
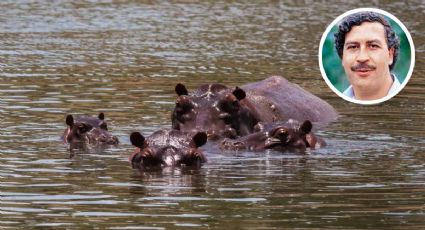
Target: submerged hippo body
(277, 99)
(167, 148)
(225, 112)
(88, 130)
(282, 136)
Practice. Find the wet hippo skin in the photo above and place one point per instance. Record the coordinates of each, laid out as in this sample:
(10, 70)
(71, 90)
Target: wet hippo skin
(213, 108)
(282, 136)
(89, 130)
(167, 148)
(225, 112)
(277, 99)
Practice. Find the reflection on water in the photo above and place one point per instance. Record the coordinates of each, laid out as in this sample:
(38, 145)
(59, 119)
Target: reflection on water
(124, 58)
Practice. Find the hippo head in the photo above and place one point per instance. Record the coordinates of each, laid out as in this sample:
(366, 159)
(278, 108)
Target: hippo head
(88, 129)
(163, 149)
(214, 109)
(101, 136)
(289, 135)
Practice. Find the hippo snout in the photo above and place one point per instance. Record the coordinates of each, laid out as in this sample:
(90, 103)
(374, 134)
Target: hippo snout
(102, 137)
(171, 156)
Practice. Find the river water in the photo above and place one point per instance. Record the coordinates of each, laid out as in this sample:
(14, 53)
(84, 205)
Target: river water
(124, 58)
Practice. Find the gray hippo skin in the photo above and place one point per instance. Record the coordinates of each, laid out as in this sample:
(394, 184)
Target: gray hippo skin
(212, 108)
(282, 136)
(167, 148)
(277, 99)
(88, 130)
(224, 112)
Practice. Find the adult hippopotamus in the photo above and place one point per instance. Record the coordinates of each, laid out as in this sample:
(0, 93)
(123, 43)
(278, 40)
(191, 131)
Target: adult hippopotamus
(224, 112)
(167, 148)
(213, 108)
(90, 130)
(283, 136)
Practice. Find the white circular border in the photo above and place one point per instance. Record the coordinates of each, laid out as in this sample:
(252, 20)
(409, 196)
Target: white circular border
(412, 55)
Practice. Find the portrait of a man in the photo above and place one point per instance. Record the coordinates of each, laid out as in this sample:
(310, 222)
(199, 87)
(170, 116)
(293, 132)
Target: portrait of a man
(368, 48)
(366, 56)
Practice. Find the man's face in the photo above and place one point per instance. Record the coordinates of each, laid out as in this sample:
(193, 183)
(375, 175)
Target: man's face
(366, 57)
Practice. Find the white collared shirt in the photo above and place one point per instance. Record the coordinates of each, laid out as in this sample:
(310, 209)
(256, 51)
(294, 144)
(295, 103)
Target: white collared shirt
(349, 92)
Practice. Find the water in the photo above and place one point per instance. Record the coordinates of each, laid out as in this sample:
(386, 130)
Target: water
(124, 58)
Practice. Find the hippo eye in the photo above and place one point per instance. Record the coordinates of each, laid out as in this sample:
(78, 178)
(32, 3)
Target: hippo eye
(281, 134)
(229, 105)
(84, 128)
(104, 126)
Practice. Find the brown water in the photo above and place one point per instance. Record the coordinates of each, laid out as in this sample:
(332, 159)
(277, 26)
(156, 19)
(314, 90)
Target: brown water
(124, 58)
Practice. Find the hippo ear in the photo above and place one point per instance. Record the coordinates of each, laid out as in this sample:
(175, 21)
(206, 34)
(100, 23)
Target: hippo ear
(101, 116)
(306, 127)
(239, 93)
(137, 139)
(181, 89)
(70, 120)
(200, 139)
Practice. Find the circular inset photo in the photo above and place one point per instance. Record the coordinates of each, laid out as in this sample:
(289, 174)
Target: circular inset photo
(366, 56)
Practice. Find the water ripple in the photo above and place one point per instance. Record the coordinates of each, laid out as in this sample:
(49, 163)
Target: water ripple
(31, 197)
(124, 58)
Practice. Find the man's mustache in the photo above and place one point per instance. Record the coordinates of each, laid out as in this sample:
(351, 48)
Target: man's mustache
(362, 67)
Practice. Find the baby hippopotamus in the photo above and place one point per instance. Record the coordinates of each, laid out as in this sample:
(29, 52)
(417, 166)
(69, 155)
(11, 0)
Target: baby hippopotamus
(90, 130)
(283, 136)
(167, 148)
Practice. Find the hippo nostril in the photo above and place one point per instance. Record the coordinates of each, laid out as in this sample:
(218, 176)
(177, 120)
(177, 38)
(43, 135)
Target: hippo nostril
(169, 160)
(230, 132)
(170, 156)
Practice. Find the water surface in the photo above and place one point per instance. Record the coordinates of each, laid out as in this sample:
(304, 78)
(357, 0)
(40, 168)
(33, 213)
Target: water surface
(124, 58)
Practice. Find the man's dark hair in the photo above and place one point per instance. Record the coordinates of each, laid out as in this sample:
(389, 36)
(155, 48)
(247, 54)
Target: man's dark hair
(357, 19)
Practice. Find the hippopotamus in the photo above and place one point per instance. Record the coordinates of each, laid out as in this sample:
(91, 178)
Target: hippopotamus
(213, 108)
(90, 130)
(225, 112)
(282, 136)
(167, 148)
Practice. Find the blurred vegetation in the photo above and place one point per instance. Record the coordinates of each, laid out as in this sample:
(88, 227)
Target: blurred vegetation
(333, 66)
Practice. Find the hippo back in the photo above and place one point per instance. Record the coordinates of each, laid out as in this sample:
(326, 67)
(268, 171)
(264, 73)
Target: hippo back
(276, 99)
